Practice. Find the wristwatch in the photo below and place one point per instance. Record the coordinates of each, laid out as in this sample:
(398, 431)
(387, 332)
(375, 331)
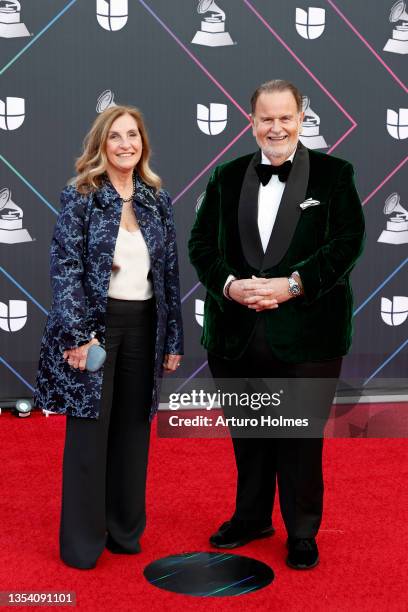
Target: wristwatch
(294, 287)
(227, 288)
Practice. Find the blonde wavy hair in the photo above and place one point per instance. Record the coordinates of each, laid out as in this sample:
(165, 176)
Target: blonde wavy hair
(92, 164)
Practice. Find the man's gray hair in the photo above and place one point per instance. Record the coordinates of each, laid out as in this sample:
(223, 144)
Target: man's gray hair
(276, 85)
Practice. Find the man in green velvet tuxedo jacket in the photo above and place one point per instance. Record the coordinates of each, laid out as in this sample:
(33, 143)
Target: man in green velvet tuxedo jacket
(274, 247)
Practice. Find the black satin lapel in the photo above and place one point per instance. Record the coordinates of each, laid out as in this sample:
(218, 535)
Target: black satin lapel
(289, 210)
(248, 215)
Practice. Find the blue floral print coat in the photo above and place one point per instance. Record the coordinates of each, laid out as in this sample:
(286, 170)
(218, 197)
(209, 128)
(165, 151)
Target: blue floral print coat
(82, 251)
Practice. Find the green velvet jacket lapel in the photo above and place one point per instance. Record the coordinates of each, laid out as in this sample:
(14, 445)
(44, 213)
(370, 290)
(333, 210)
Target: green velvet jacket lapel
(287, 217)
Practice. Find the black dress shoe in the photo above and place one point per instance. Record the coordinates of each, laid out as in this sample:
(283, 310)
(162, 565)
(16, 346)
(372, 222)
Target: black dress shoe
(303, 553)
(233, 534)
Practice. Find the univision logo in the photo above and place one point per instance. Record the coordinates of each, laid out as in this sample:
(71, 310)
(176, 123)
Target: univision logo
(199, 312)
(397, 123)
(12, 113)
(112, 15)
(394, 312)
(310, 24)
(213, 120)
(14, 316)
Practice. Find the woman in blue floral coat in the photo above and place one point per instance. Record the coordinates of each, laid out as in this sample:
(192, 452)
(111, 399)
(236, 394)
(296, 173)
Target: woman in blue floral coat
(114, 275)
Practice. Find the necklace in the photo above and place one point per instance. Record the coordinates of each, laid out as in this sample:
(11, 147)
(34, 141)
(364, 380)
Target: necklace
(129, 199)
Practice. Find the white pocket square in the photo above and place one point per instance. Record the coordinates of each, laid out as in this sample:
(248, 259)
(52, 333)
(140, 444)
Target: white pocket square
(309, 202)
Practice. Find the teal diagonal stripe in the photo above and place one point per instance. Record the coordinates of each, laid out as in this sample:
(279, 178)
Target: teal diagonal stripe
(17, 374)
(26, 293)
(37, 36)
(29, 185)
(386, 362)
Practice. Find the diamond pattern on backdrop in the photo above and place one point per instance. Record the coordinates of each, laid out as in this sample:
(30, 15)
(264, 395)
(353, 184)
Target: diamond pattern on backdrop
(192, 74)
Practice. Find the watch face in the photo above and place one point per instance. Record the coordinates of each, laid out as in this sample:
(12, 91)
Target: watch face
(294, 287)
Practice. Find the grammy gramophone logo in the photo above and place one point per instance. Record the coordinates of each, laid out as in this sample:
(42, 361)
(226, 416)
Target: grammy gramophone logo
(399, 41)
(199, 201)
(397, 222)
(212, 32)
(11, 220)
(310, 23)
(310, 135)
(105, 100)
(112, 15)
(11, 25)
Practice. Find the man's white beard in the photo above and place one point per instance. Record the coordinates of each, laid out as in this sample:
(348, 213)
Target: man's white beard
(273, 153)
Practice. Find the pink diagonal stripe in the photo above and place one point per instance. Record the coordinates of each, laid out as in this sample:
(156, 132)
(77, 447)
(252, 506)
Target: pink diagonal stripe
(367, 44)
(212, 162)
(387, 178)
(336, 144)
(193, 57)
(299, 61)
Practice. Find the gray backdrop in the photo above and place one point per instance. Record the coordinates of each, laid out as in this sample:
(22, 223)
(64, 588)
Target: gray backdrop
(69, 59)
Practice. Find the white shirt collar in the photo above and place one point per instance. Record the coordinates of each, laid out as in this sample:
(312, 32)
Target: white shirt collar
(265, 160)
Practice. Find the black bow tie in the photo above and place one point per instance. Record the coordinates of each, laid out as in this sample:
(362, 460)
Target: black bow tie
(265, 171)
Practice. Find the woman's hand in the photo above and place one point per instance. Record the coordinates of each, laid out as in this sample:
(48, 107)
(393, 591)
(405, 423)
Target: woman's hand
(76, 357)
(171, 362)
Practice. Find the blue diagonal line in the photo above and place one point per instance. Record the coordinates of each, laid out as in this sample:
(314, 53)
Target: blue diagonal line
(23, 380)
(248, 590)
(219, 559)
(26, 182)
(385, 281)
(202, 366)
(183, 299)
(384, 363)
(13, 280)
(37, 36)
(166, 575)
(229, 586)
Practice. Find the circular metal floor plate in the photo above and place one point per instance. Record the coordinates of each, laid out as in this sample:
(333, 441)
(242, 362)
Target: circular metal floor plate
(207, 574)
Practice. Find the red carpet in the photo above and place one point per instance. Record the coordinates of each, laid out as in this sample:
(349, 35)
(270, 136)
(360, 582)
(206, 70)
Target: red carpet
(363, 540)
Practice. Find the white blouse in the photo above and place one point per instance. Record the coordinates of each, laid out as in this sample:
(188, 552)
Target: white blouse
(131, 261)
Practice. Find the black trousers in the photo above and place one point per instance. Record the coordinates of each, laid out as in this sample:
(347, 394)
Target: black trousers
(105, 459)
(296, 463)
